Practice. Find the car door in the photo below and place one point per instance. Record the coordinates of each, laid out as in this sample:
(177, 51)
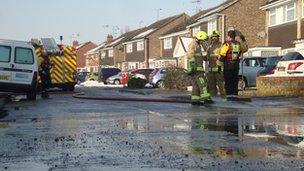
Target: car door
(251, 67)
(24, 65)
(6, 63)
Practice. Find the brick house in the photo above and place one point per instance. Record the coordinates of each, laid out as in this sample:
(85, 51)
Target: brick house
(145, 46)
(82, 49)
(112, 54)
(93, 58)
(169, 42)
(284, 24)
(244, 15)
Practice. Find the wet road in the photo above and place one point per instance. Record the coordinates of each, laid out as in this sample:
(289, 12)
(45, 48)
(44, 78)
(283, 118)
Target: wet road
(64, 133)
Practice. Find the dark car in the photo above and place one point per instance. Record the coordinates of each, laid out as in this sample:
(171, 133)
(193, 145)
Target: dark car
(108, 72)
(270, 65)
(292, 56)
(81, 76)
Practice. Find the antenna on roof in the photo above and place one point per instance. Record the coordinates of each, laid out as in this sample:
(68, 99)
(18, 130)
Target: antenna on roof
(198, 4)
(158, 12)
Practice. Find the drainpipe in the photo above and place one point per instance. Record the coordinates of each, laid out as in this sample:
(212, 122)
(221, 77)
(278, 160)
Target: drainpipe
(223, 16)
(299, 18)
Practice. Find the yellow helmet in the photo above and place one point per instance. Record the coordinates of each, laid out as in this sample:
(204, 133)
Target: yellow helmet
(201, 35)
(215, 33)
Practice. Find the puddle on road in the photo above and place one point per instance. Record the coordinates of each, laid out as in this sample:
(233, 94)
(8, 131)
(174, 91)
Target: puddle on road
(4, 125)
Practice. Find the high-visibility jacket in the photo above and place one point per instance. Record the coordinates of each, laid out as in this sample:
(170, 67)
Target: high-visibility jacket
(196, 57)
(232, 50)
(213, 57)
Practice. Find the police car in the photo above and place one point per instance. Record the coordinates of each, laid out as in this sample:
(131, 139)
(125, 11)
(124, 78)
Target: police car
(18, 68)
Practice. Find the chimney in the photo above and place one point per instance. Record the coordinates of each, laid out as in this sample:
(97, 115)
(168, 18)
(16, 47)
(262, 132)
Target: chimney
(109, 38)
(75, 43)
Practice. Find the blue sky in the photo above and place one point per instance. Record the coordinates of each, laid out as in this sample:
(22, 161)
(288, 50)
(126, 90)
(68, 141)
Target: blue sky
(85, 20)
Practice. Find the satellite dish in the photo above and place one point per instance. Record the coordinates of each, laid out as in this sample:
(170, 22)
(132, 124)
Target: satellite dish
(262, 34)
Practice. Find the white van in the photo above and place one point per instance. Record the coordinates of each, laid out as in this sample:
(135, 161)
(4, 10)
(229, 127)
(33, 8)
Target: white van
(18, 68)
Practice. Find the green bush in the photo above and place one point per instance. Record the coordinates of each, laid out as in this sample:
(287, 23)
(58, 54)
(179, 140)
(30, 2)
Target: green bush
(177, 78)
(136, 83)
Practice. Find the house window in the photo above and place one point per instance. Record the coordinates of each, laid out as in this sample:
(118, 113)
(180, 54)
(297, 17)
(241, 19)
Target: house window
(168, 43)
(282, 14)
(196, 30)
(103, 54)
(272, 17)
(140, 46)
(110, 53)
(129, 48)
(290, 12)
(212, 26)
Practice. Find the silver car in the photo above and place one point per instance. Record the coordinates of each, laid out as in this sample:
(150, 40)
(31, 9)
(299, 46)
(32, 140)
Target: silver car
(156, 78)
(249, 69)
(115, 79)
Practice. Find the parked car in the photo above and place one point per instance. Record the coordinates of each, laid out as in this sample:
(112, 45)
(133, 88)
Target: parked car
(249, 68)
(115, 79)
(292, 64)
(270, 65)
(19, 68)
(105, 73)
(156, 78)
(142, 73)
(81, 76)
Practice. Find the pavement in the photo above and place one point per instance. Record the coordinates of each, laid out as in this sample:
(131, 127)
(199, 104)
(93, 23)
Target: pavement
(64, 133)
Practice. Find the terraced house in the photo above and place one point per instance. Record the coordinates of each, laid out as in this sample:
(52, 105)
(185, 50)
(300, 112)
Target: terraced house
(285, 24)
(112, 54)
(143, 48)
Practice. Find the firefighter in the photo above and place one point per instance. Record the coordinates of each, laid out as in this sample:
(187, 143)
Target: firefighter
(196, 56)
(231, 51)
(45, 76)
(215, 74)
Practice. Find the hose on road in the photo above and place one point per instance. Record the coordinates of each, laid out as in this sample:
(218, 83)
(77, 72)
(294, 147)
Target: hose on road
(130, 99)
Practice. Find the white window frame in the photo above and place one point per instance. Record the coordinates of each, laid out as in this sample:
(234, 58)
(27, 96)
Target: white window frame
(140, 46)
(168, 43)
(286, 10)
(103, 54)
(273, 13)
(110, 53)
(212, 26)
(280, 14)
(129, 48)
(195, 30)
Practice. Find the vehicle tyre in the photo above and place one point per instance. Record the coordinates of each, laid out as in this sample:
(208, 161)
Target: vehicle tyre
(116, 82)
(160, 84)
(92, 79)
(242, 84)
(71, 87)
(31, 95)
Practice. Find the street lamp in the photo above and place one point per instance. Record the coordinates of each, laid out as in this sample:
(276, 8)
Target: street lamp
(158, 13)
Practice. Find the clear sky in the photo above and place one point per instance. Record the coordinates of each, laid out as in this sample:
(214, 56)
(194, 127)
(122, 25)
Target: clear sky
(85, 20)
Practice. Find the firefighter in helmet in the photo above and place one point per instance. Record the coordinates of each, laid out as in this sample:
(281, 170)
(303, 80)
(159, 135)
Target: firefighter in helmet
(197, 56)
(45, 75)
(231, 51)
(215, 75)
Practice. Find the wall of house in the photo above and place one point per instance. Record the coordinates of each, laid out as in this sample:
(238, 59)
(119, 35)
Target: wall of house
(107, 61)
(118, 55)
(168, 52)
(81, 58)
(283, 35)
(247, 17)
(154, 43)
(138, 56)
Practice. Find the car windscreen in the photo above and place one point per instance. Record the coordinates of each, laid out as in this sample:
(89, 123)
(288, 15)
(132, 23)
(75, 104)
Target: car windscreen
(24, 56)
(5, 53)
(292, 56)
(272, 61)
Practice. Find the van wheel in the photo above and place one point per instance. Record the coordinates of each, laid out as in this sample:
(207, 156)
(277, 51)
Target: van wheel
(71, 88)
(31, 96)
